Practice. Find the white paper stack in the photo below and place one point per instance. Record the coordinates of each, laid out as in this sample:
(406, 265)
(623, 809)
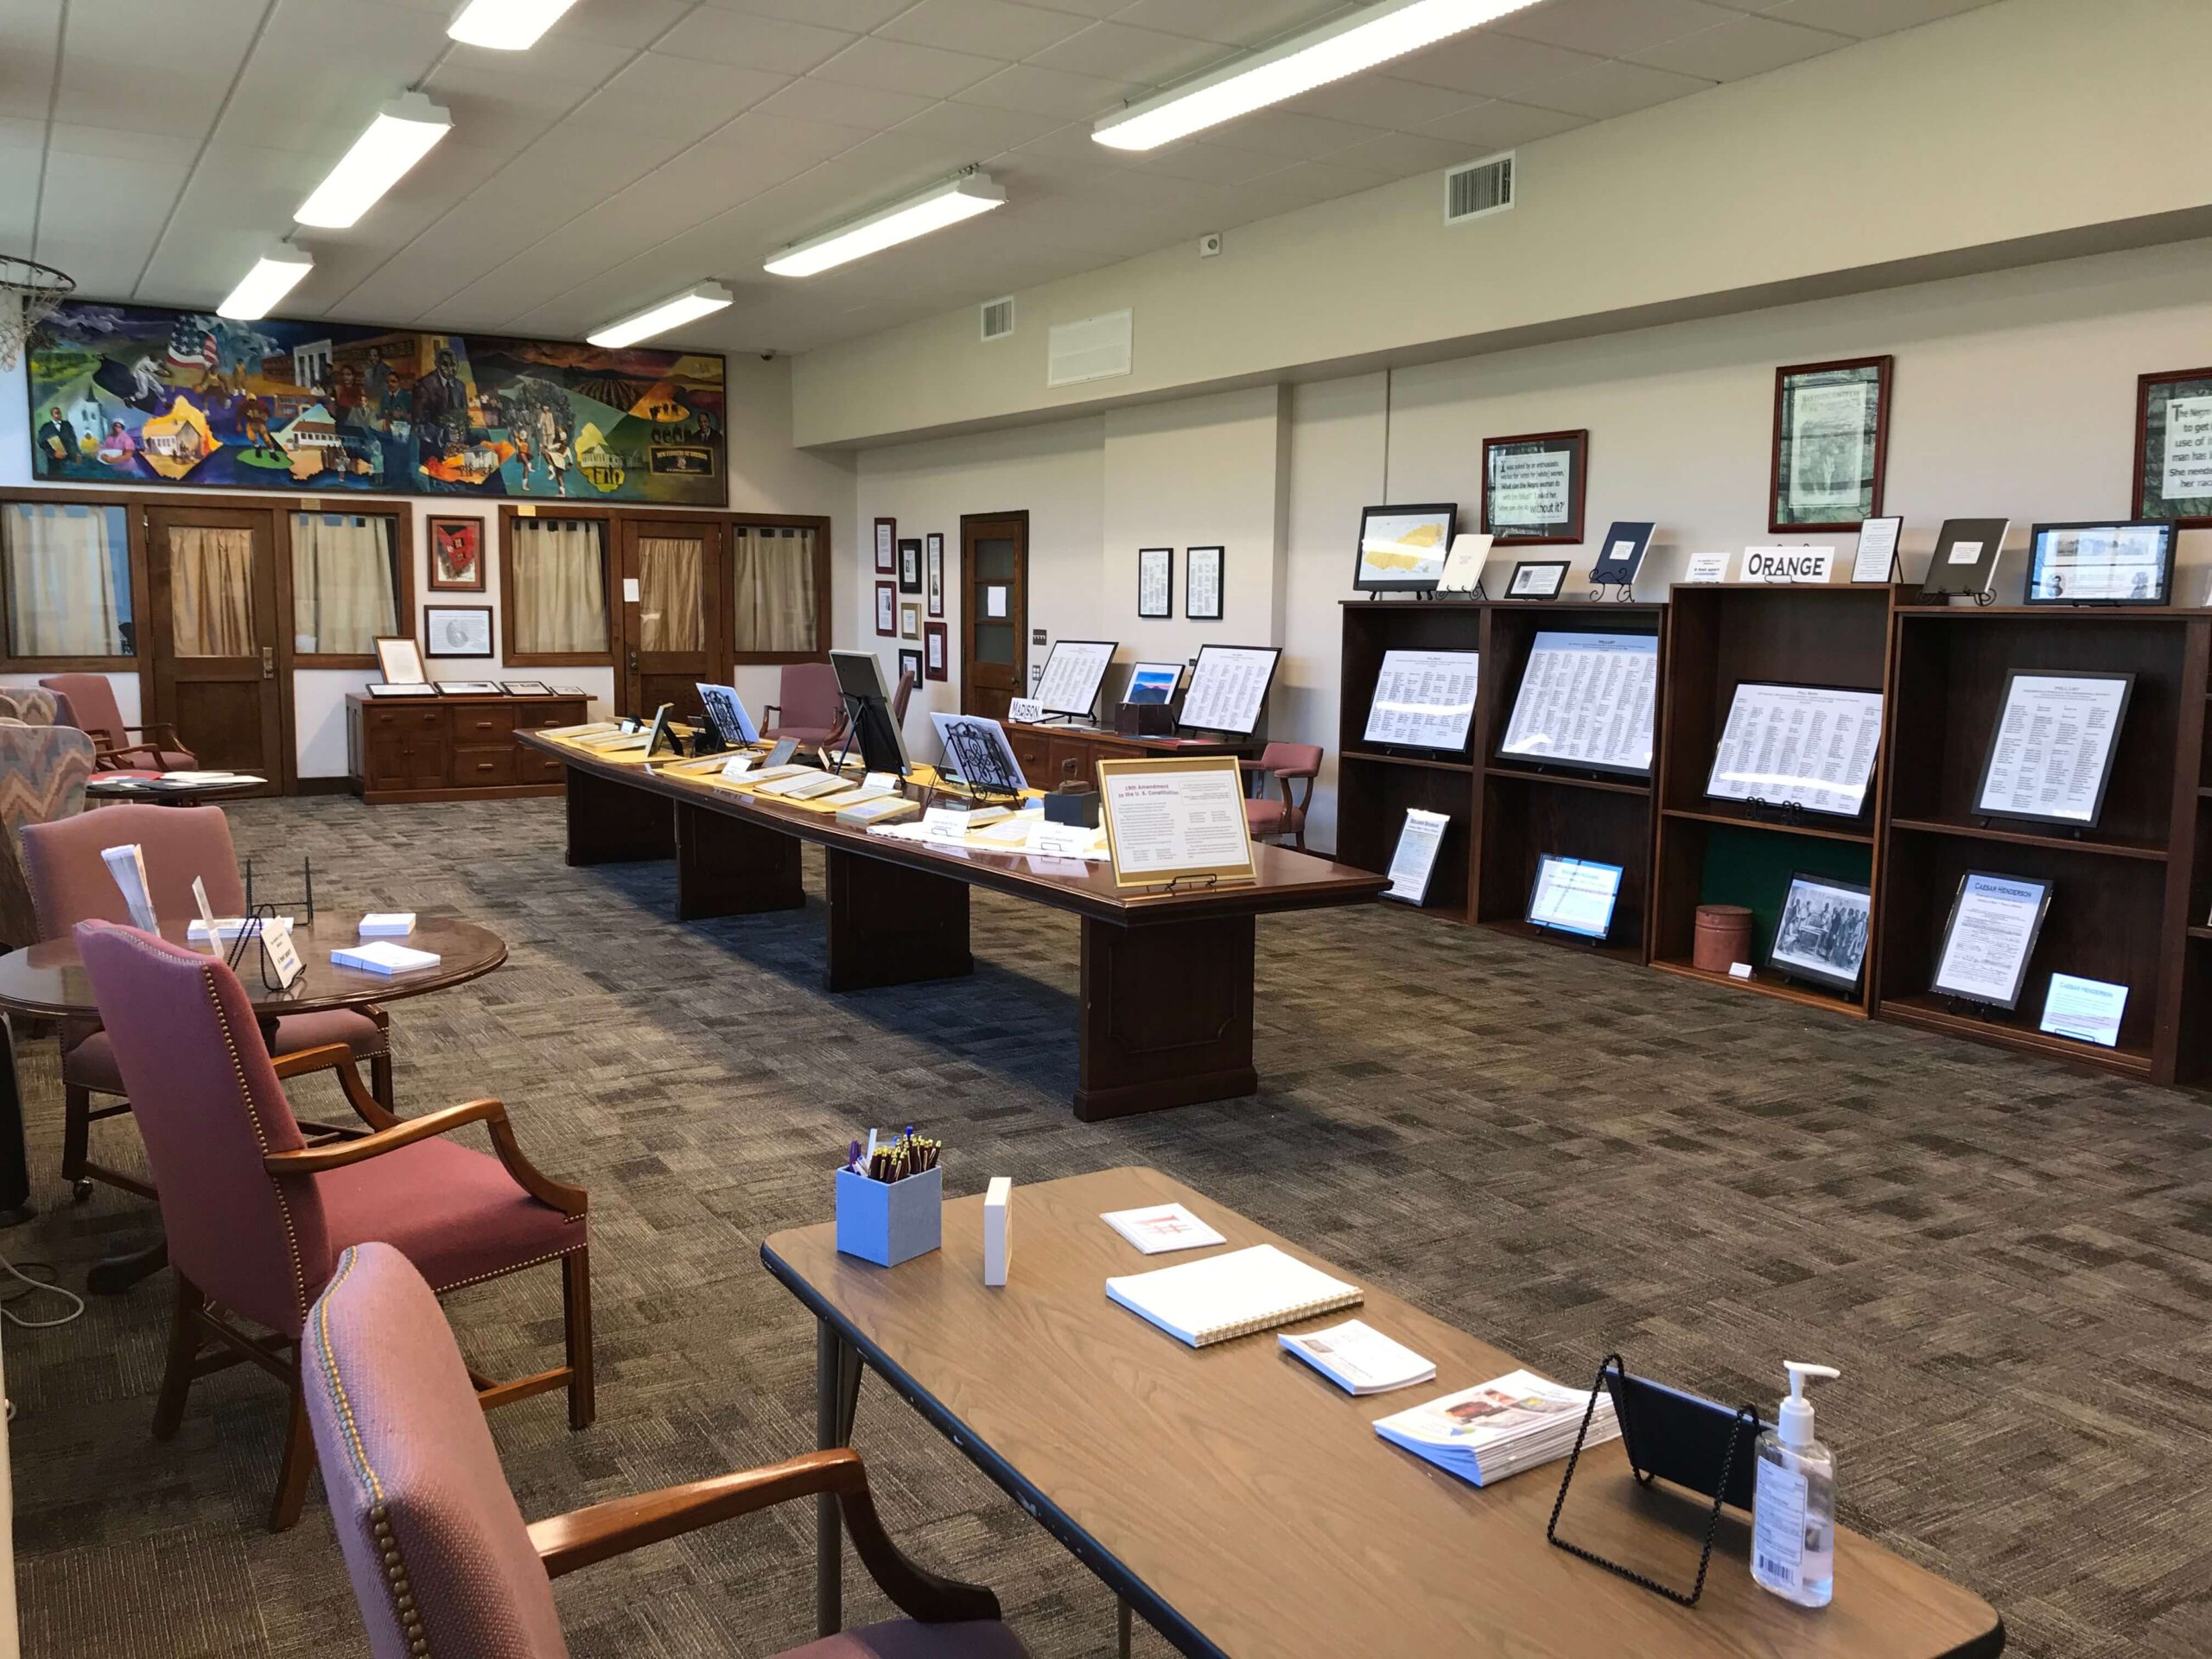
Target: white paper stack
(1157, 1227)
(230, 927)
(1498, 1429)
(1358, 1358)
(383, 957)
(388, 924)
(1232, 1296)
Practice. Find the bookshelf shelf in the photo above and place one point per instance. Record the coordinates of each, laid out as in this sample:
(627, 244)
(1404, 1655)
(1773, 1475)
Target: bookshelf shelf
(2000, 834)
(1811, 828)
(1568, 779)
(1369, 757)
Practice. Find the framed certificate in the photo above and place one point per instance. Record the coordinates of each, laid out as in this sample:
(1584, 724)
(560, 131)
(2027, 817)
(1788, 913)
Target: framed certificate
(2173, 449)
(1202, 584)
(1155, 582)
(910, 565)
(1533, 487)
(886, 601)
(1821, 935)
(1831, 440)
(886, 535)
(1990, 934)
(1174, 819)
(933, 569)
(2050, 758)
(400, 658)
(2101, 565)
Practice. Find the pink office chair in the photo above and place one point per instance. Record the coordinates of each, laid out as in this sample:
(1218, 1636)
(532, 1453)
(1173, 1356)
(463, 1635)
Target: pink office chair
(441, 1560)
(807, 708)
(70, 883)
(256, 1218)
(1283, 818)
(88, 702)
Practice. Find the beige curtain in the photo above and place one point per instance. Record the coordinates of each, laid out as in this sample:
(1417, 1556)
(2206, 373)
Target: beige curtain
(61, 575)
(672, 599)
(211, 591)
(342, 592)
(774, 597)
(559, 603)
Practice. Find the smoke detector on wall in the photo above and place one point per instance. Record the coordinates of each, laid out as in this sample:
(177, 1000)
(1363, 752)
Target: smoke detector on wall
(1209, 245)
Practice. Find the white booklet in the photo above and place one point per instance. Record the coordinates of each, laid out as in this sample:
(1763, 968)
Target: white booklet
(1358, 1358)
(1232, 1296)
(1499, 1428)
(383, 957)
(1157, 1227)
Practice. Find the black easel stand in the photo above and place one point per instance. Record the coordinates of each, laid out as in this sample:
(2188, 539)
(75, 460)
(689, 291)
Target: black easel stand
(1621, 592)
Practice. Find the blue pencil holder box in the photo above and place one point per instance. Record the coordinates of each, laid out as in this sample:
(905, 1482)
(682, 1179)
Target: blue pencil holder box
(890, 1222)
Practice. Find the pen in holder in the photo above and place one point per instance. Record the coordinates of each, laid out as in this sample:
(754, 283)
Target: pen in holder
(891, 1220)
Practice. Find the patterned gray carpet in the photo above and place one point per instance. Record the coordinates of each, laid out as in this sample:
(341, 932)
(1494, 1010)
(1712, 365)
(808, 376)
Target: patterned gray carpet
(2009, 1259)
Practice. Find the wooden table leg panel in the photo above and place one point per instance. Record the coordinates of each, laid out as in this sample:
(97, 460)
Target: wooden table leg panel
(612, 823)
(728, 868)
(1166, 1015)
(892, 925)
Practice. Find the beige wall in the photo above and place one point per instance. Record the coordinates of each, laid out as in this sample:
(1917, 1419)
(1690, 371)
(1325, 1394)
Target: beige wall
(766, 475)
(2014, 394)
(1973, 137)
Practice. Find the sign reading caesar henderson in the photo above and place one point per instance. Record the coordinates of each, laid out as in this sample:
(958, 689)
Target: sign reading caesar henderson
(1778, 564)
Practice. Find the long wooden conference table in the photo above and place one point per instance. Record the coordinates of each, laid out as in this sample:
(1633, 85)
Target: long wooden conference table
(1165, 1005)
(1243, 1505)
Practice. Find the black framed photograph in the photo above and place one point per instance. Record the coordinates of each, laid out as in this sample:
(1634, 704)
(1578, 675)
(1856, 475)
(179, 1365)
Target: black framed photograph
(1989, 937)
(1155, 582)
(1537, 579)
(910, 662)
(2101, 565)
(526, 687)
(933, 569)
(1533, 487)
(886, 535)
(2173, 447)
(457, 631)
(1202, 569)
(910, 565)
(1831, 443)
(2050, 753)
(1401, 549)
(1821, 934)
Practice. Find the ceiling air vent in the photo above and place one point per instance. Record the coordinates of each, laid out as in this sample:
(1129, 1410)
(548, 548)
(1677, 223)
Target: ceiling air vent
(1478, 189)
(998, 319)
(1097, 348)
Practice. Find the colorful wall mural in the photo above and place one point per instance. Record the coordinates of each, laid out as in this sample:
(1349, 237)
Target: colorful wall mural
(134, 394)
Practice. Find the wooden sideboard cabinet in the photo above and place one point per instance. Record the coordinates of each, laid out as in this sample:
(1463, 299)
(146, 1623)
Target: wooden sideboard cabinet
(1043, 750)
(452, 748)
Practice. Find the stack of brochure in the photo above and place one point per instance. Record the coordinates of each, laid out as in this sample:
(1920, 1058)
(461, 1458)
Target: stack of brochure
(1498, 1429)
(1360, 1359)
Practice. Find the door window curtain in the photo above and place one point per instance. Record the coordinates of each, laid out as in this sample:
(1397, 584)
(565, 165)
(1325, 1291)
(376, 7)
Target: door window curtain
(68, 592)
(671, 601)
(210, 590)
(559, 604)
(774, 590)
(343, 594)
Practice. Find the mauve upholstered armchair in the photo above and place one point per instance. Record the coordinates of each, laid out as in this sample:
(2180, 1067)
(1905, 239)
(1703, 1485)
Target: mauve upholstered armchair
(256, 1218)
(808, 708)
(70, 883)
(442, 1562)
(90, 701)
(1286, 761)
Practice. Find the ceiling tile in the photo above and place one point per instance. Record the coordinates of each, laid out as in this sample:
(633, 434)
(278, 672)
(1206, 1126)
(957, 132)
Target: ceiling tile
(794, 144)
(895, 67)
(1489, 65)
(978, 131)
(661, 94)
(751, 42)
(840, 105)
(1863, 19)
(1295, 136)
(995, 28)
(1233, 22)
(1403, 154)
(612, 23)
(29, 32)
(20, 168)
(856, 15)
(1381, 101)
(492, 105)
(325, 67)
(1614, 88)
(1120, 52)
(1612, 29)
(1499, 124)
(1209, 163)
(1749, 46)
(1081, 8)
(1050, 92)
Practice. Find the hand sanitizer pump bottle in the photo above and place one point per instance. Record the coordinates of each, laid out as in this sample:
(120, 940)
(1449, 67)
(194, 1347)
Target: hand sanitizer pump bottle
(1793, 1508)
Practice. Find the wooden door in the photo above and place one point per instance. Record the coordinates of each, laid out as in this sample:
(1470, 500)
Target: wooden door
(994, 611)
(219, 670)
(672, 577)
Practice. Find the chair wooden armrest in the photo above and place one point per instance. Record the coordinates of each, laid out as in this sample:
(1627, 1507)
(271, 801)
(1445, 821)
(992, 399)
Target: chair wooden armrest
(770, 713)
(336, 1057)
(111, 757)
(565, 1542)
(405, 1132)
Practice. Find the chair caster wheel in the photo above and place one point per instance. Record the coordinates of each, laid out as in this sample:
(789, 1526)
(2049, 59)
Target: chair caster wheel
(80, 1190)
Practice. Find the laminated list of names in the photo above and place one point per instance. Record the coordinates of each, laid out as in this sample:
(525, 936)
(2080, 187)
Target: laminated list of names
(1424, 699)
(2054, 746)
(1586, 699)
(1805, 745)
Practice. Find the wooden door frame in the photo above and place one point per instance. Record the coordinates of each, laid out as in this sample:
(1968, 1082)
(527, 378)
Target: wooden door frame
(712, 528)
(967, 617)
(277, 518)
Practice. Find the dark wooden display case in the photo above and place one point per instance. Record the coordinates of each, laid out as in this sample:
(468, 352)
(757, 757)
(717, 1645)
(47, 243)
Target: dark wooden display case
(460, 748)
(2127, 894)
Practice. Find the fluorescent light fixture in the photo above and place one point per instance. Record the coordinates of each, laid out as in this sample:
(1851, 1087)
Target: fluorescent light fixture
(506, 25)
(1296, 65)
(948, 204)
(692, 303)
(401, 135)
(262, 289)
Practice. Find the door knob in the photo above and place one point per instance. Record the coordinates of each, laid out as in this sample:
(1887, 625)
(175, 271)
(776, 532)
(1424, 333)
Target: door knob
(268, 662)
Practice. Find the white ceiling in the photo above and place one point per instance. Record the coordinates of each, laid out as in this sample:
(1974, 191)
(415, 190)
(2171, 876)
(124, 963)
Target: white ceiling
(150, 148)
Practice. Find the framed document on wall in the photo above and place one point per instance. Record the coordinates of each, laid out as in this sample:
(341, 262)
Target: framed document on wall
(886, 535)
(1533, 487)
(1831, 440)
(933, 569)
(1155, 582)
(2173, 447)
(887, 601)
(1202, 572)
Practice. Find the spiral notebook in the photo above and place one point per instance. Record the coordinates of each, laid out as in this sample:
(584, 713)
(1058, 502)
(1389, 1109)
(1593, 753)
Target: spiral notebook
(1232, 1296)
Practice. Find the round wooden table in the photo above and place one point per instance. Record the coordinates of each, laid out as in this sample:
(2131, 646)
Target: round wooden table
(103, 787)
(47, 981)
